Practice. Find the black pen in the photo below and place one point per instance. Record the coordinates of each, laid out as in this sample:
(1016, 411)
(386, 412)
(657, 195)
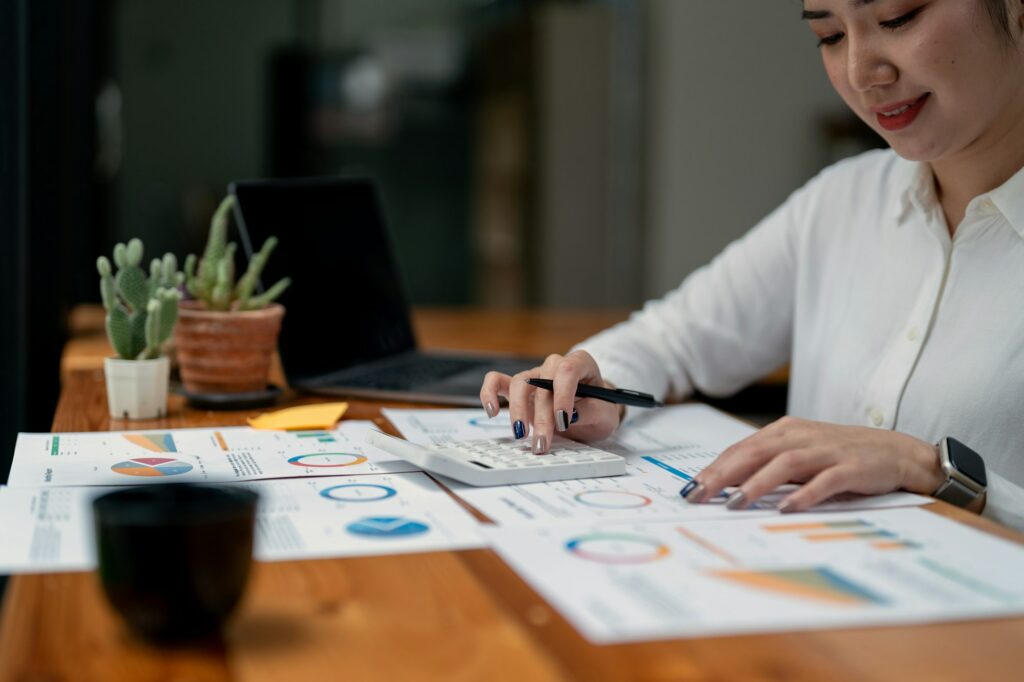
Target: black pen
(619, 396)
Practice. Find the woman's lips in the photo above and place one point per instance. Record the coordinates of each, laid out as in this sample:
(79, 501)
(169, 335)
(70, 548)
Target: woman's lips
(907, 113)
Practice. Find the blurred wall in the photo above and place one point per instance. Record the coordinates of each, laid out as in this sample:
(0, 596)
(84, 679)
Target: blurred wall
(737, 94)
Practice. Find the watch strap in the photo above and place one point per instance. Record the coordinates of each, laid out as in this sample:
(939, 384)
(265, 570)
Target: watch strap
(956, 493)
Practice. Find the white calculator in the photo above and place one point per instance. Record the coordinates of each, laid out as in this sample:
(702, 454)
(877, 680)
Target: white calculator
(503, 461)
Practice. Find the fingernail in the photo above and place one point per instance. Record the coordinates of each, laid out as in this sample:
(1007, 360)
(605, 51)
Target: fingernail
(737, 501)
(687, 489)
(786, 507)
(575, 416)
(696, 495)
(489, 409)
(519, 429)
(562, 419)
(539, 445)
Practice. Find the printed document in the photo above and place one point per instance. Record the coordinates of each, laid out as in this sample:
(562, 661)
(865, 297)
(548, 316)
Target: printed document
(51, 529)
(209, 455)
(627, 583)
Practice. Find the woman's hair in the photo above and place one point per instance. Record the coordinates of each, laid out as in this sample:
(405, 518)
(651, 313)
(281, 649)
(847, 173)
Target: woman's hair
(1000, 16)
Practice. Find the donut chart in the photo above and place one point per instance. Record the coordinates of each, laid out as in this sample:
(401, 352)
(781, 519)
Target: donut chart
(612, 499)
(327, 460)
(617, 549)
(358, 492)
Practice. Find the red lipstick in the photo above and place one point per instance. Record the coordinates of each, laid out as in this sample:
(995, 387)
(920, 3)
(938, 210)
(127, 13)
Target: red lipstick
(911, 109)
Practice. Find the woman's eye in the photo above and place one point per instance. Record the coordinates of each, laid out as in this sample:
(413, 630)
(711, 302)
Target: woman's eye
(830, 39)
(901, 20)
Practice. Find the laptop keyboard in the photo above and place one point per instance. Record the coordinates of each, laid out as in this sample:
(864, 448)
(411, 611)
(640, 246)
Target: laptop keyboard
(411, 373)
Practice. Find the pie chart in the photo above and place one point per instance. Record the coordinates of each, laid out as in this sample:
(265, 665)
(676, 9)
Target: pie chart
(151, 466)
(387, 527)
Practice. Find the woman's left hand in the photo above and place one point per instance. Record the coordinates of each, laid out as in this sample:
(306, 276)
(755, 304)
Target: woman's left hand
(827, 458)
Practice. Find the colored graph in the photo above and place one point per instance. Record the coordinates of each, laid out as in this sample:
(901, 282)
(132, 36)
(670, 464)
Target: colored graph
(843, 531)
(319, 436)
(612, 499)
(358, 492)
(327, 459)
(154, 442)
(151, 466)
(617, 548)
(803, 527)
(486, 423)
(387, 527)
(815, 584)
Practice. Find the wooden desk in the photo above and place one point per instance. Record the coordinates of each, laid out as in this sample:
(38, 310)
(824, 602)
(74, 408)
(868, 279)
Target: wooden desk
(442, 615)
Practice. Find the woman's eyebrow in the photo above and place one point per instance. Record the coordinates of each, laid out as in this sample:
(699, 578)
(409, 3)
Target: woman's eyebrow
(811, 14)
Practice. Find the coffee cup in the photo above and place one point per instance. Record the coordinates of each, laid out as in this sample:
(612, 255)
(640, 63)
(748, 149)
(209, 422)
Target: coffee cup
(174, 558)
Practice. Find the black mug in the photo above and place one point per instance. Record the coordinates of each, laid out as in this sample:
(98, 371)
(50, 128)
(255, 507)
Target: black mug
(174, 558)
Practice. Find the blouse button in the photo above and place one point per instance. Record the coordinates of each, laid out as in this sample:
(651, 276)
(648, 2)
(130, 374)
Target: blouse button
(877, 417)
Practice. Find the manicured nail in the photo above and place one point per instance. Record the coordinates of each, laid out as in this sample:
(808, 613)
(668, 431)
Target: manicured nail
(786, 507)
(539, 445)
(575, 416)
(688, 488)
(489, 409)
(562, 420)
(519, 429)
(737, 501)
(696, 496)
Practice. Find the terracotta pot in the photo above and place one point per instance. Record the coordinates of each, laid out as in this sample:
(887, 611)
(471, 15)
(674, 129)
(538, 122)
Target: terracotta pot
(226, 351)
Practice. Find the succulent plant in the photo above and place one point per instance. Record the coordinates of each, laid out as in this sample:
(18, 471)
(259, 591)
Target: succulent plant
(141, 310)
(214, 281)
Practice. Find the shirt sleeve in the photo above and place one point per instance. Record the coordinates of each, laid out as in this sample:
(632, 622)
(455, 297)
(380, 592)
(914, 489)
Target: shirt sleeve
(728, 324)
(1004, 501)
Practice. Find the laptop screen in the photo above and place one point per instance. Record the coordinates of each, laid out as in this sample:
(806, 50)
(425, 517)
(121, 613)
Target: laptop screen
(345, 305)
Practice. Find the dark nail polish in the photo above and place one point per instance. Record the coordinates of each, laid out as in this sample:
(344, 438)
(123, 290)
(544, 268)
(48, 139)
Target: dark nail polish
(562, 419)
(575, 416)
(687, 489)
(736, 501)
(519, 429)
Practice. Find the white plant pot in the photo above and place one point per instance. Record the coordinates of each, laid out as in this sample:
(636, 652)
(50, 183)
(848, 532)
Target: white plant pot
(137, 389)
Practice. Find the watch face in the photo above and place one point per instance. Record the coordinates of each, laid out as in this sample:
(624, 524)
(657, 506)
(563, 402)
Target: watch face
(966, 461)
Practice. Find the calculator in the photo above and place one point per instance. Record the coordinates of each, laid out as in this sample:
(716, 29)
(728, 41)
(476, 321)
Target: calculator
(503, 461)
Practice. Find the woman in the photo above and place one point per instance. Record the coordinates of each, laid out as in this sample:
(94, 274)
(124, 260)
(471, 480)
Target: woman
(893, 283)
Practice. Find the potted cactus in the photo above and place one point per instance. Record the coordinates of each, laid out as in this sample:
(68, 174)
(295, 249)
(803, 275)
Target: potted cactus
(141, 312)
(227, 335)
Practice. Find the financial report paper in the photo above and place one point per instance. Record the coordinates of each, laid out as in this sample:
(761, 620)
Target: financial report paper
(659, 580)
(207, 455)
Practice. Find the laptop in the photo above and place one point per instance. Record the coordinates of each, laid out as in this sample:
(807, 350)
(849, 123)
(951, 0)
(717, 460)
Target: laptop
(347, 329)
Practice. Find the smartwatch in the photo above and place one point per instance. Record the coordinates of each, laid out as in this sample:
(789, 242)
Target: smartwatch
(964, 468)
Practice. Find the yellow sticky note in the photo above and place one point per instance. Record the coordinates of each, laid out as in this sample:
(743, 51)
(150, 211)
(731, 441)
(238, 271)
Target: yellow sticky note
(301, 418)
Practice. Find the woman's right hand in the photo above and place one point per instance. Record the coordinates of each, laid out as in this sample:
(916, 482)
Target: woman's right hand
(558, 411)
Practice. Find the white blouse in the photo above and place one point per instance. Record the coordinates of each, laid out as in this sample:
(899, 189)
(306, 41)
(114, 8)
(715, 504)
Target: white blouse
(886, 321)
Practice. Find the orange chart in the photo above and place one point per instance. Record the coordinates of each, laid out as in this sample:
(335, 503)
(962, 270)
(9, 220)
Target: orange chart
(154, 442)
(819, 584)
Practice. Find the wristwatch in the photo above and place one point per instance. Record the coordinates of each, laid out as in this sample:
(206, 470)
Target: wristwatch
(966, 481)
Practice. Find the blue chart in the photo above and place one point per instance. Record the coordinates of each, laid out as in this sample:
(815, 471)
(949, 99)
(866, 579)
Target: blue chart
(358, 492)
(387, 527)
(487, 423)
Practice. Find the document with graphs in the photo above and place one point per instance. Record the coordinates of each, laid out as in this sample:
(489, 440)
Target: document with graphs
(661, 580)
(211, 455)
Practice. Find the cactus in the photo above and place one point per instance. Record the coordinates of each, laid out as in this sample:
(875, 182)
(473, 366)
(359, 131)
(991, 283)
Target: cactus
(141, 311)
(213, 282)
